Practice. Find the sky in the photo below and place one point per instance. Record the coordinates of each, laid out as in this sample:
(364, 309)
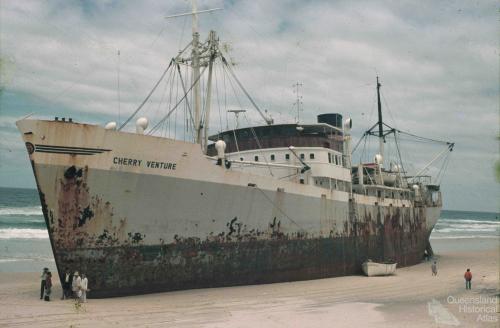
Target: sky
(96, 61)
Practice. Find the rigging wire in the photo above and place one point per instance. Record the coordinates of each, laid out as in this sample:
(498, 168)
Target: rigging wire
(258, 144)
(399, 153)
(175, 107)
(278, 208)
(424, 138)
(170, 98)
(185, 92)
(388, 109)
(218, 99)
(164, 92)
(254, 134)
(118, 87)
(147, 98)
(267, 120)
(225, 98)
(175, 114)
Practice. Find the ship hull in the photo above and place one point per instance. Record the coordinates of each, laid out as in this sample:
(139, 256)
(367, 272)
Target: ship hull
(134, 230)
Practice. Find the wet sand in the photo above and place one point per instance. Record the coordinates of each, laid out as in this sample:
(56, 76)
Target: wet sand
(411, 298)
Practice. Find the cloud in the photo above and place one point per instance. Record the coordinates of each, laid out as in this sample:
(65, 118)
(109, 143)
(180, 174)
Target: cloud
(437, 62)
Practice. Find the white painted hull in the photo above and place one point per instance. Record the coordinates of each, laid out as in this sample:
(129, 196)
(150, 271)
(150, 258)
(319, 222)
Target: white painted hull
(143, 214)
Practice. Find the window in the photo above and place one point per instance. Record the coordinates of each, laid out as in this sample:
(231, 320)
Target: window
(256, 158)
(329, 158)
(302, 156)
(272, 157)
(287, 156)
(336, 160)
(311, 156)
(301, 181)
(241, 159)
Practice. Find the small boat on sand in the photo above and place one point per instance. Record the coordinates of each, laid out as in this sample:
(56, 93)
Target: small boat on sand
(378, 269)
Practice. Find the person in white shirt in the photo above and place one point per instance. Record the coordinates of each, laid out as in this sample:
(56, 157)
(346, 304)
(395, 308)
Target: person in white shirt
(84, 284)
(76, 284)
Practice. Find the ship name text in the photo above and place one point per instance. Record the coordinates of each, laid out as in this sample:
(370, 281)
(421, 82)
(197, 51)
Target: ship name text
(139, 162)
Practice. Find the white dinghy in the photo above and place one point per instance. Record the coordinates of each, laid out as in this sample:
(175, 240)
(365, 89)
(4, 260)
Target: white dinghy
(378, 269)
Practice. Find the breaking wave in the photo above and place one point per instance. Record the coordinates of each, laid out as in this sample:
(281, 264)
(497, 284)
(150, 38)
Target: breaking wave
(29, 210)
(467, 228)
(14, 259)
(23, 234)
(434, 236)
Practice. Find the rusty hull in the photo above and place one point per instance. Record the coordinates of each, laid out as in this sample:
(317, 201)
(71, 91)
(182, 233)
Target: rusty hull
(118, 262)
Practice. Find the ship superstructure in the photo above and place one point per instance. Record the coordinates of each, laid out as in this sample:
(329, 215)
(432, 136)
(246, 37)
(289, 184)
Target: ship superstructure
(279, 202)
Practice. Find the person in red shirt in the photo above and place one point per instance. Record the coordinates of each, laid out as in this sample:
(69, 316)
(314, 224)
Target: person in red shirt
(468, 278)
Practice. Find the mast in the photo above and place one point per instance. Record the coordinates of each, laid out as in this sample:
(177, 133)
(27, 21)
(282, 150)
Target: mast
(380, 124)
(195, 56)
(212, 53)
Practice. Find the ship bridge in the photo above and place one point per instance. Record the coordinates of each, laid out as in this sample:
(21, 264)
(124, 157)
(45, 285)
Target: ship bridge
(286, 150)
(280, 136)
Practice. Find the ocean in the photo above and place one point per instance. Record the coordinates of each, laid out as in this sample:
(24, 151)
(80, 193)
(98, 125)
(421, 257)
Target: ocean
(25, 246)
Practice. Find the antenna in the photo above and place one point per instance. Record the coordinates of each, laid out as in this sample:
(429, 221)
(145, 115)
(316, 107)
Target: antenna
(298, 101)
(237, 113)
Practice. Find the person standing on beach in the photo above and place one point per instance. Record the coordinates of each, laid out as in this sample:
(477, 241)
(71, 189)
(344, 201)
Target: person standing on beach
(68, 279)
(42, 282)
(434, 269)
(48, 285)
(84, 288)
(468, 279)
(76, 284)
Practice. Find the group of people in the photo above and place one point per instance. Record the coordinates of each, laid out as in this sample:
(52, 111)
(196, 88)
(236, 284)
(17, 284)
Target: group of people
(74, 285)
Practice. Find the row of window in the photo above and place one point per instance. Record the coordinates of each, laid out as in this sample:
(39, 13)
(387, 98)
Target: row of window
(332, 158)
(387, 194)
(334, 184)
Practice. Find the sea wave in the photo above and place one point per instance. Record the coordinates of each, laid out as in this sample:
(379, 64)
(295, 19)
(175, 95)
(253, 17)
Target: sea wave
(28, 210)
(433, 236)
(468, 225)
(23, 259)
(20, 224)
(478, 221)
(23, 233)
(469, 229)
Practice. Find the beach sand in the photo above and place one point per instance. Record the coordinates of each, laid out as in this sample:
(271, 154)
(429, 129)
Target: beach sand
(411, 298)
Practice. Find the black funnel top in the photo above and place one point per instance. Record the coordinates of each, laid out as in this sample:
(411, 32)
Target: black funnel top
(333, 119)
